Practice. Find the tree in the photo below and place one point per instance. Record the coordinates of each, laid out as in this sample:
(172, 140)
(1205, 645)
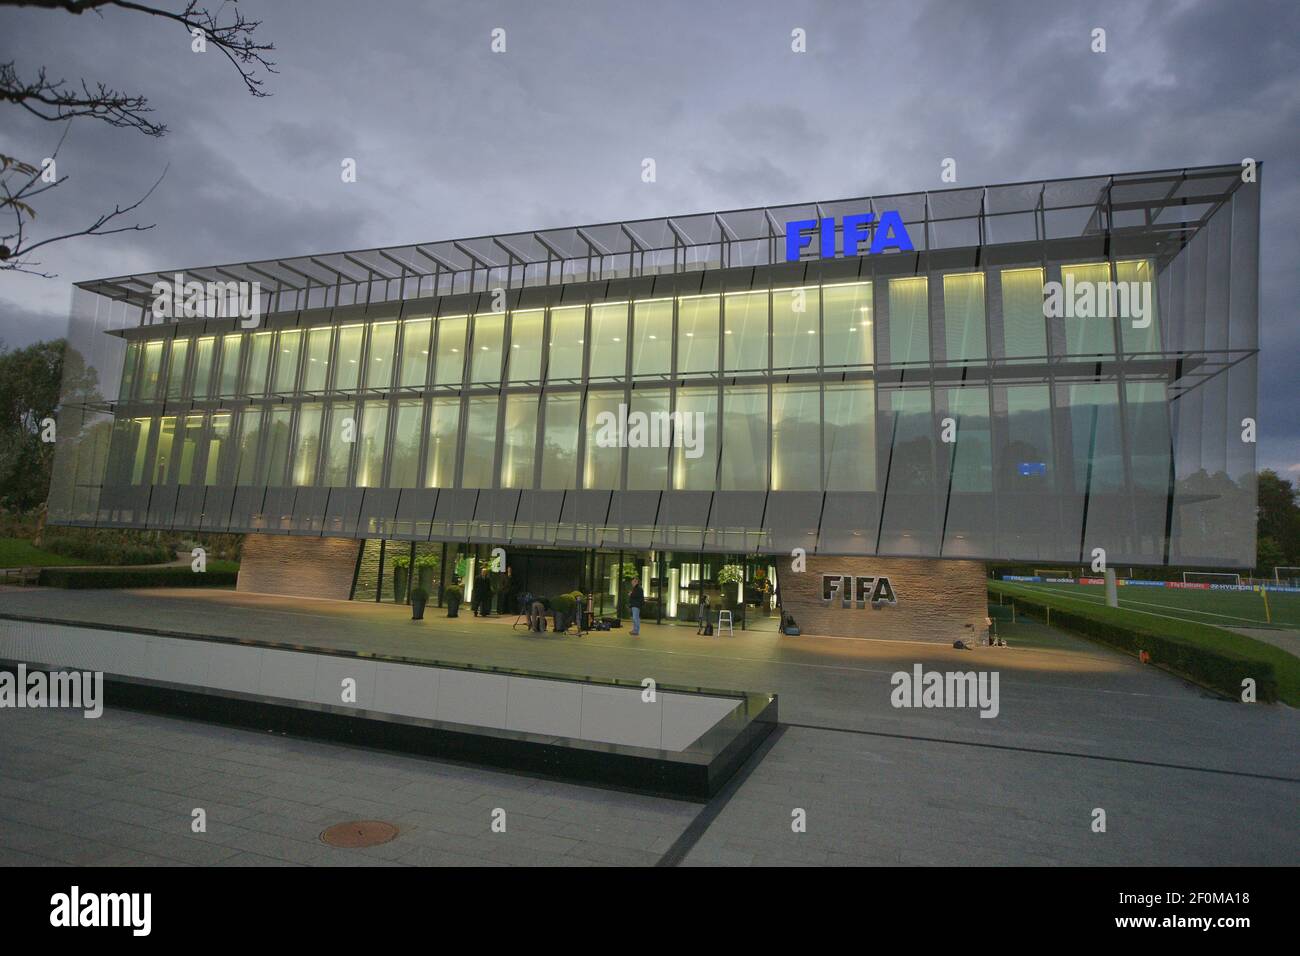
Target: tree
(29, 393)
(58, 101)
(1279, 515)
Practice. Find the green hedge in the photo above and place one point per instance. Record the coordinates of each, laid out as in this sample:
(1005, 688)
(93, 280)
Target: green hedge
(169, 577)
(1216, 671)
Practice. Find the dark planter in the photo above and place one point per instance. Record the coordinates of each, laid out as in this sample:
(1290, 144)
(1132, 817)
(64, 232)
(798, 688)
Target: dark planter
(453, 607)
(417, 608)
(400, 578)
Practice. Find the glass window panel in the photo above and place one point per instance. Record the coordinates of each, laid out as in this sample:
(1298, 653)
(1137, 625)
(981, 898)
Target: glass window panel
(489, 333)
(909, 320)
(347, 363)
(526, 345)
(519, 441)
(603, 462)
(1139, 334)
(151, 370)
(416, 335)
(971, 461)
(250, 431)
(315, 377)
(744, 438)
(1148, 434)
(163, 467)
(649, 439)
(850, 436)
(480, 442)
(564, 362)
(176, 367)
(652, 332)
(338, 439)
(286, 361)
(697, 334)
(140, 437)
(796, 437)
(370, 447)
(230, 347)
(910, 428)
(408, 431)
(218, 445)
(191, 440)
(449, 368)
(795, 314)
(1024, 330)
(306, 446)
(379, 357)
(1092, 333)
(444, 422)
(963, 316)
(609, 340)
(1095, 436)
(204, 351)
(696, 469)
(744, 342)
(560, 451)
(847, 325)
(275, 457)
(128, 370)
(259, 363)
(1026, 458)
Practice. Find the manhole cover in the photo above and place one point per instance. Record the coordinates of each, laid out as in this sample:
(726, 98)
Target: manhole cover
(358, 833)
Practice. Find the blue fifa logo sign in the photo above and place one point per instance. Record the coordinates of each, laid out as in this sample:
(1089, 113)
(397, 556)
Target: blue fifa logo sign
(888, 232)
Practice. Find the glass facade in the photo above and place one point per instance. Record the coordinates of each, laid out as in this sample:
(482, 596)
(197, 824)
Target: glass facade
(962, 400)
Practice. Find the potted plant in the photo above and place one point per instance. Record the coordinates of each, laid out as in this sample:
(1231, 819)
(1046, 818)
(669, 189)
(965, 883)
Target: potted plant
(729, 576)
(425, 566)
(452, 595)
(419, 597)
(401, 577)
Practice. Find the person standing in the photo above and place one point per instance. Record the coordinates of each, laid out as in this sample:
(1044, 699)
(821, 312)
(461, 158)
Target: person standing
(634, 600)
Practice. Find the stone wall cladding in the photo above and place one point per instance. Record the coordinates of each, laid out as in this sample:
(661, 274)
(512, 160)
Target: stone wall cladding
(936, 599)
(299, 566)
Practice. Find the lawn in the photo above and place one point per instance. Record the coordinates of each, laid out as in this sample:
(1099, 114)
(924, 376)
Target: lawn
(19, 553)
(1225, 608)
(1180, 628)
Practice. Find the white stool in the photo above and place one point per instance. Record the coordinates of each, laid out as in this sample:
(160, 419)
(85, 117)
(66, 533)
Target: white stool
(731, 631)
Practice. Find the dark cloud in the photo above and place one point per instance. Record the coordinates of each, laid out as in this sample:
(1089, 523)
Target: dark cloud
(452, 140)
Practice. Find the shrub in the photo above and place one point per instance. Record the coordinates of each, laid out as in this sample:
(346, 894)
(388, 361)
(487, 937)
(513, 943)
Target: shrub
(453, 591)
(1209, 668)
(107, 549)
(170, 577)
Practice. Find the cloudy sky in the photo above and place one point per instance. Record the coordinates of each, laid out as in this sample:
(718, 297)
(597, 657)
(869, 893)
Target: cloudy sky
(454, 140)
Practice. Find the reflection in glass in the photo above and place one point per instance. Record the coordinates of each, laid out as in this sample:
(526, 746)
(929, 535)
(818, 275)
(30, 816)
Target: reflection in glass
(162, 459)
(416, 335)
(259, 363)
(697, 334)
(204, 352)
(795, 314)
(449, 368)
(744, 438)
(608, 340)
(306, 446)
(176, 367)
(218, 443)
(1092, 333)
(519, 441)
(847, 325)
(230, 364)
(963, 316)
(191, 441)
(525, 363)
(489, 333)
(652, 338)
(347, 364)
(338, 438)
(603, 461)
(370, 449)
(1024, 330)
(404, 470)
(250, 430)
(315, 377)
(440, 463)
(744, 342)
(560, 445)
(971, 455)
(151, 370)
(698, 471)
(649, 446)
(286, 361)
(379, 356)
(565, 359)
(796, 437)
(909, 320)
(276, 455)
(480, 442)
(849, 442)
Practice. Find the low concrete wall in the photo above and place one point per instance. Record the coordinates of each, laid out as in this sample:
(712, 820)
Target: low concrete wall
(936, 599)
(301, 566)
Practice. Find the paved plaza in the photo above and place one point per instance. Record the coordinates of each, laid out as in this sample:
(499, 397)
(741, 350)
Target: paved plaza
(1183, 777)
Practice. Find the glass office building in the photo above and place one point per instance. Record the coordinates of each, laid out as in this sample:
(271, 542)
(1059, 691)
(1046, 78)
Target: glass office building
(934, 402)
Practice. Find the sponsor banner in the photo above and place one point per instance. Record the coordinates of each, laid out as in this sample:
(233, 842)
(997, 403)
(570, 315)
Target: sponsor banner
(1092, 580)
(1020, 577)
(1233, 587)
(1135, 583)
(1285, 589)
(1059, 580)
(1188, 585)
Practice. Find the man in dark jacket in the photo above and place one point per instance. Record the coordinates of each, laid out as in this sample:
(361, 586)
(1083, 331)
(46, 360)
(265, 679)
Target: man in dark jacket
(634, 600)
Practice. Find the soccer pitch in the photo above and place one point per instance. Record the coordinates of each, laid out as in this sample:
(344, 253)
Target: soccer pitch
(1223, 608)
